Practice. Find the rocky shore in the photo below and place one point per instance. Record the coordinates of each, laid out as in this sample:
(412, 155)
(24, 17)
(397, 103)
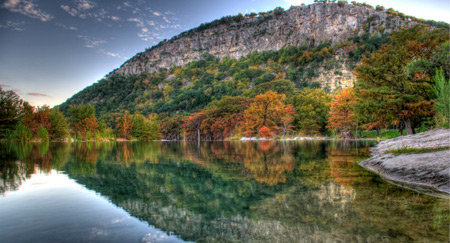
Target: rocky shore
(425, 172)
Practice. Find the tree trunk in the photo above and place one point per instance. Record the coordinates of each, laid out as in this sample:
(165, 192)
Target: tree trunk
(347, 135)
(400, 128)
(408, 127)
(198, 134)
(378, 131)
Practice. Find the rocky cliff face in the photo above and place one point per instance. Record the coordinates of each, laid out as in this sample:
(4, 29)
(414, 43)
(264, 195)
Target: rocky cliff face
(298, 26)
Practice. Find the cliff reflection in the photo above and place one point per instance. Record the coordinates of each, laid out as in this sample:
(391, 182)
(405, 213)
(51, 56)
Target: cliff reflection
(242, 191)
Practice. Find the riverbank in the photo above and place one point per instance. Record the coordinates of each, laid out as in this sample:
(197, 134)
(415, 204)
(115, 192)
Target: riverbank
(301, 139)
(421, 171)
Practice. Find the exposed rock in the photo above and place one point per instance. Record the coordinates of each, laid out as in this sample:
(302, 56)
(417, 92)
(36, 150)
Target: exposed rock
(420, 171)
(298, 26)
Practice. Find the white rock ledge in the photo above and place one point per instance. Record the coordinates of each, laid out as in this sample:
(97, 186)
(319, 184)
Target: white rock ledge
(416, 171)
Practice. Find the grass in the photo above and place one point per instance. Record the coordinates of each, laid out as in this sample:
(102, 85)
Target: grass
(406, 150)
(385, 134)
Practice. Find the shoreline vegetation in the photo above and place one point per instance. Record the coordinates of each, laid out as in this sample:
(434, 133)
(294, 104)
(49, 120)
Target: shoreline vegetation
(419, 162)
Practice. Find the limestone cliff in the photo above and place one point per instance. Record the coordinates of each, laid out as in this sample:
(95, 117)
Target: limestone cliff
(238, 36)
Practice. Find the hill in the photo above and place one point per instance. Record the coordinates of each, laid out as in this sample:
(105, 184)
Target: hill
(307, 46)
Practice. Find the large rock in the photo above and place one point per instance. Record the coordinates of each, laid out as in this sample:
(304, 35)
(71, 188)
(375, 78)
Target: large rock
(418, 171)
(298, 26)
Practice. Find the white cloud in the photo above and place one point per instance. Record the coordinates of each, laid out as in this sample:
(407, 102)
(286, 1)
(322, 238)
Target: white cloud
(69, 10)
(115, 18)
(86, 5)
(91, 42)
(111, 54)
(166, 20)
(27, 8)
(156, 13)
(13, 25)
(138, 22)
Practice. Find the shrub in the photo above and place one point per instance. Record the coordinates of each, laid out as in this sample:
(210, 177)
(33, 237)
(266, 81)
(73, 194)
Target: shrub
(264, 132)
(89, 135)
(42, 134)
(22, 133)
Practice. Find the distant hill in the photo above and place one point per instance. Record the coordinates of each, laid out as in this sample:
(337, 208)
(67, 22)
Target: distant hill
(316, 45)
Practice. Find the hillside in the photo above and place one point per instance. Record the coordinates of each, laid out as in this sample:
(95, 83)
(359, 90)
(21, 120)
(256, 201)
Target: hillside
(308, 46)
(238, 36)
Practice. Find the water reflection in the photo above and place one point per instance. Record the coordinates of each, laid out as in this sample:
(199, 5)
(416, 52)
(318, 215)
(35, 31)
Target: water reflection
(241, 191)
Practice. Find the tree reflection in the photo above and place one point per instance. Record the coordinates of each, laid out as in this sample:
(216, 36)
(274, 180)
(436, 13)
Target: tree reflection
(241, 191)
(20, 161)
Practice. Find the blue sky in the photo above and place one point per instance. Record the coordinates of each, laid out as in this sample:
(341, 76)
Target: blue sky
(51, 49)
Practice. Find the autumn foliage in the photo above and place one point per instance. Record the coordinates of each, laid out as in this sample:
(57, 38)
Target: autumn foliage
(268, 110)
(342, 116)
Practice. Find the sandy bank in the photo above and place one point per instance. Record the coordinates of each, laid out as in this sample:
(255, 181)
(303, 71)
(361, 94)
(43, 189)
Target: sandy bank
(422, 172)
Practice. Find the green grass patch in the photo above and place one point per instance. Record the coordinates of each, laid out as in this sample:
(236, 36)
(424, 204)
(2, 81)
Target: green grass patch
(406, 150)
(385, 134)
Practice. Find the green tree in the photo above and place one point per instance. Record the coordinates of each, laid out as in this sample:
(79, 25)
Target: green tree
(42, 134)
(312, 107)
(59, 128)
(281, 86)
(138, 126)
(79, 113)
(151, 129)
(442, 104)
(22, 133)
(11, 110)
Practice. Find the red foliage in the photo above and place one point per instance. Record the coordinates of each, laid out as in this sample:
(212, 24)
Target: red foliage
(265, 132)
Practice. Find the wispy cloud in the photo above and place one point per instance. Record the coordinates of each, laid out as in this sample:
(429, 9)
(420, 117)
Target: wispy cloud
(91, 42)
(13, 25)
(111, 54)
(66, 27)
(95, 43)
(87, 9)
(38, 94)
(27, 8)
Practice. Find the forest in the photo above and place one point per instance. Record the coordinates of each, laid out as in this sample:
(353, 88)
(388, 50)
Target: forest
(402, 82)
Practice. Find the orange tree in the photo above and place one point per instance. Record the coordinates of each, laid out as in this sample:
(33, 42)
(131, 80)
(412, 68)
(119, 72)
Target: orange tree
(125, 125)
(342, 116)
(266, 110)
(193, 125)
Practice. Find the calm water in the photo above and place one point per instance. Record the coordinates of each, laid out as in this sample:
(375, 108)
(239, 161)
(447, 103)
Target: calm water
(220, 191)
